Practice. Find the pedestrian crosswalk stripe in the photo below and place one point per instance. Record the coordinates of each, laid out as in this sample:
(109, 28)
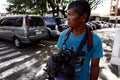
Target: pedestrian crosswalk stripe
(3, 48)
(10, 55)
(6, 51)
(30, 75)
(7, 63)
(2, 45)
(17, 68)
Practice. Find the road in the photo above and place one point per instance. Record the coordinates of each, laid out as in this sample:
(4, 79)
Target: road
(23, 64)
(28, 62)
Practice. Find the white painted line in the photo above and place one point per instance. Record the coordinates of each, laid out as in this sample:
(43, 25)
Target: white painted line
(17, 68)
(2, 45)
(6, 51)
(3, 48)
(10, 55)
(31, 74)
(7, 63)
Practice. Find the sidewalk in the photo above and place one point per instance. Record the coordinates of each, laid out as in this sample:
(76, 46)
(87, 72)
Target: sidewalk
(108, 71)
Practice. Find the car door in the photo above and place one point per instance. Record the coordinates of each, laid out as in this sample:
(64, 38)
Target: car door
(8, 28)
(14, 27)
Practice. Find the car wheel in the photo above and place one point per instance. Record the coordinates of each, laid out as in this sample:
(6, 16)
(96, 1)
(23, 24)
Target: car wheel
(17, 42)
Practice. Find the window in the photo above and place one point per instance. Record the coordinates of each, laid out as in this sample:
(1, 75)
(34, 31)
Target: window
(3, 22)
(118, 21)
(113, 8)
(11, 21)
(18, 21)
(49, 20)
(36, 21)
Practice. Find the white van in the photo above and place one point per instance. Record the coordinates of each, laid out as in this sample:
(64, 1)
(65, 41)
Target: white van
(22, 29)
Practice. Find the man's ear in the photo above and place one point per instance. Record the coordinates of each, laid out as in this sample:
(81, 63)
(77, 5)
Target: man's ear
(83, 17)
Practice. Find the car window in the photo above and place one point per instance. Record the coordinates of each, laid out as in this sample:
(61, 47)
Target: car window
(18, 21)
(3, 22)
(35, 21)
(7, 22)
(49, 20)
(11, 21)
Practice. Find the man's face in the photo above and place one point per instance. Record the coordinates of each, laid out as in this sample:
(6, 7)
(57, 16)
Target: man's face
(73, 18)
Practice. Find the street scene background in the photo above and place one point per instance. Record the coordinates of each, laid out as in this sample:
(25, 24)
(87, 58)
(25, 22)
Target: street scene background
(28, 63)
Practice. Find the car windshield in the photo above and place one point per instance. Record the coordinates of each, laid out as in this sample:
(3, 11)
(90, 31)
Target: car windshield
(49, 20)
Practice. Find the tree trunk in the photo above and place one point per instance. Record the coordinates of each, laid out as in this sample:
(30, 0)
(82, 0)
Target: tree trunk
(52, 6)
(63, 12)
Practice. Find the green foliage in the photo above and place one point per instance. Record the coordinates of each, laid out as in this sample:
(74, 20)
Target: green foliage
(43, 6)
(94, 3)
(27, 6)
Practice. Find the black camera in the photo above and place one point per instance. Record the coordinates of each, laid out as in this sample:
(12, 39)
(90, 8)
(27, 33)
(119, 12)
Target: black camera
(63, 65)
(61, 58)
(66, 69)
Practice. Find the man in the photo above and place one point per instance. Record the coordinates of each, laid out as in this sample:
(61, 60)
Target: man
(77, 16)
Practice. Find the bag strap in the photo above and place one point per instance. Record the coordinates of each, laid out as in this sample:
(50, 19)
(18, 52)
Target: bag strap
(67, 35)
(87, 37)
(90, 39)
(83, 41)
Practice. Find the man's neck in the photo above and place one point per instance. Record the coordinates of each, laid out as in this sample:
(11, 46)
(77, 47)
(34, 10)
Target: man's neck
(79, 30)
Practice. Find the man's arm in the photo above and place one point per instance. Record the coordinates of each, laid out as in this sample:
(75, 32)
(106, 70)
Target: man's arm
(59, 51)
(94, 73)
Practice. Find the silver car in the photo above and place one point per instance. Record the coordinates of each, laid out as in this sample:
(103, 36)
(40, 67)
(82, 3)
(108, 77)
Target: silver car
(22, 29)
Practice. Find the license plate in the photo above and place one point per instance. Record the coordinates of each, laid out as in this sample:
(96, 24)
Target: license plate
(39, 32)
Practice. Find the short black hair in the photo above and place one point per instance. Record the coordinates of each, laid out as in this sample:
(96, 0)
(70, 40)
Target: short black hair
(81, 7)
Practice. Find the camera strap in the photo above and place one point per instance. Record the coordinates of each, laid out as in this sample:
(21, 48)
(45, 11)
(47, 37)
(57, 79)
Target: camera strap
(67, 35)
(87, 37)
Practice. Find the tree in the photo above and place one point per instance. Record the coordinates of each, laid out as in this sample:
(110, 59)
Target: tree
(43, 6)
(94, 3)
(27, 6)
(60, 5)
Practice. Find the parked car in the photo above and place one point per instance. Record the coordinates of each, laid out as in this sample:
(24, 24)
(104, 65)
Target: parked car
(65, 23)
(91, 25)
(109, 25)
(54, 25)
(103, 24)
(22, 29)
(98, 26)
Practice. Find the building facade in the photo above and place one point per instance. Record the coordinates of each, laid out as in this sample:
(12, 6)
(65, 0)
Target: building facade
(114, 8)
